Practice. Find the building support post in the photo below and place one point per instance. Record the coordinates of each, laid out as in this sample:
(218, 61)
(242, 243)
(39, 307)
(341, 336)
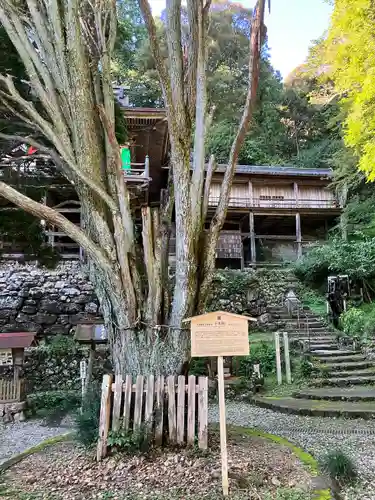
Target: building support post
(242, 249)
(298, 235)
(252, 238)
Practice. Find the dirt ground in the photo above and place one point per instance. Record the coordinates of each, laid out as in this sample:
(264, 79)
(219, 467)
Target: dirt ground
(258, 469)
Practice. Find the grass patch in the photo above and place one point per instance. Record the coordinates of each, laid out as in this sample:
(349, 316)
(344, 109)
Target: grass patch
(315, 302)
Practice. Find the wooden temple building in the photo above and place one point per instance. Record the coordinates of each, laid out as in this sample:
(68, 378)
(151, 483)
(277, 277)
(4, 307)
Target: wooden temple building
(274, 213)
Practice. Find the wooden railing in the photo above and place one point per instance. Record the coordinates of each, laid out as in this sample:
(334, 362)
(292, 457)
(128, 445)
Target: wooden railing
(143, 402)
(138, 172)
(11, 390)
(285, 203)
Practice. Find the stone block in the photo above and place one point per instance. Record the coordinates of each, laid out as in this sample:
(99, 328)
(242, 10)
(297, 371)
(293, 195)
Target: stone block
(91, 308)
(50, 306)
(36, 293)
(71, 308)
(11, 302)
(29, 309)
(45, 319)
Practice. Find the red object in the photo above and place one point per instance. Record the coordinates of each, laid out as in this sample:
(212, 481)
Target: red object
(31, 150)
(16, 340)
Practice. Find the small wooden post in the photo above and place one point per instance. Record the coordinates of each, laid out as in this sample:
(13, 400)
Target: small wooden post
(223, 427)
(278, 359)
(191, 411)
(139, 388)
(127, 402)
(298, 235)
(203, 413)
(252, 238)
(181, 409)
(172, 417)
(117, 397)
(105, 413)
(287, 358)
(160, 410)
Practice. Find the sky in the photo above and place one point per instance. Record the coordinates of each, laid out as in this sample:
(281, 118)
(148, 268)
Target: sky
(291, 27)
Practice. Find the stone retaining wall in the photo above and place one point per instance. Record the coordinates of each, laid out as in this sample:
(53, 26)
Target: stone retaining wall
(12, 412)
(44, 301)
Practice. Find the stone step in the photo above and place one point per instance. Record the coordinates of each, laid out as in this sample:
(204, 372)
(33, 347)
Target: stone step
(351, 365)
(350, 373)
(327, 347)
(307, 333)
(344, 381)
(336, 354)
(348, 358)
(303, 326)
(312, 336)
(318, 407)
(357, 393)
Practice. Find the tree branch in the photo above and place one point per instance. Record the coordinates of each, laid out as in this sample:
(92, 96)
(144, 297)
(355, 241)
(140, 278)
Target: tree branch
(54, 217)
(176, 68)
(254, 71)
(197, 180)
(217, 222)
(68, 168)
(207, 185)
(144, 5)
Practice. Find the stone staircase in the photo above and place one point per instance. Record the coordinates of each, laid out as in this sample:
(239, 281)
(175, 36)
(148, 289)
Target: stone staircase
(346, 382)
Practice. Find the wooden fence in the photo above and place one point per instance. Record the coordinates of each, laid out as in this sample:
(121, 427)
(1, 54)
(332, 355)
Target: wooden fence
(129, 406)
(10, 390)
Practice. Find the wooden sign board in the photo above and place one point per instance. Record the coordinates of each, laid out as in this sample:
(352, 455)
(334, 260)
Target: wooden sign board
(219, 334)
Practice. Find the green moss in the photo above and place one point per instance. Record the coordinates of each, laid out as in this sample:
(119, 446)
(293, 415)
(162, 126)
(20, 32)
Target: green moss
(35, 449)
(322, 494)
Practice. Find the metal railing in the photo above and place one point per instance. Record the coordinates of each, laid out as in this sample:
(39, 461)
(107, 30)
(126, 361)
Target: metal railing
(235, 202)
(295, 307)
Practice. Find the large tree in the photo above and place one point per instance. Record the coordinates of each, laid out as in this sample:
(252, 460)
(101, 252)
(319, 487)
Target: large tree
(350, 60)
(66, 47)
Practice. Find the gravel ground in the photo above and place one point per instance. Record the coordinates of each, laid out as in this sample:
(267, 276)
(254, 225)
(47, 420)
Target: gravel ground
(18, 437)
(316, 435)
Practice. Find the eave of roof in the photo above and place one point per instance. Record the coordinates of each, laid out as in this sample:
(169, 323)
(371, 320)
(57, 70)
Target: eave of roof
(279, 170)
(16, 340)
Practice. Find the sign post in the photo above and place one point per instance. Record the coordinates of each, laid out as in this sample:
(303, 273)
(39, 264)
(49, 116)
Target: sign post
(83, 375)
(220, 334)
(223, 427)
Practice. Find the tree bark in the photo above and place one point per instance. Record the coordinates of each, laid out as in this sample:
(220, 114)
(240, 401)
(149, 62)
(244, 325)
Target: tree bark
(70, 75)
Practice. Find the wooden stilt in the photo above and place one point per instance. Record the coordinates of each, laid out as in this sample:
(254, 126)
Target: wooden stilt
(252, 238)
(298, 235)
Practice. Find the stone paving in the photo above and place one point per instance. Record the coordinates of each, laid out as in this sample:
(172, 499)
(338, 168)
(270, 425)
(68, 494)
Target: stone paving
(317, 435)
(18, 437)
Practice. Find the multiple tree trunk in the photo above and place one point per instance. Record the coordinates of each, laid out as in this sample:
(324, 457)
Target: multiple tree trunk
(73, 122)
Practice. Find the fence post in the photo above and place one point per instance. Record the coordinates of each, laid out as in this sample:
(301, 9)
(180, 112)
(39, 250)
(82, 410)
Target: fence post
(181, 410)
(287, 358)
(278, 359)
(105, 412)
(202, 412)
(159, 410)
(191, 410)
(171, 384)
(117, 397)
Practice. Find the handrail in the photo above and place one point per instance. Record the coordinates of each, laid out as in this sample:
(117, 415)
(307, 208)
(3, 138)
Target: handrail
(300, 312)
(270, 203)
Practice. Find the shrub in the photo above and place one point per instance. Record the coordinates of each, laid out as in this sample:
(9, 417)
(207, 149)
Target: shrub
(264, 354)
(340, 467)
(288, 494)
(355, 258)
(131, 442)
(87, 420)
(306, 369)
(198, 366)
(359, 322)
(53, 405)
